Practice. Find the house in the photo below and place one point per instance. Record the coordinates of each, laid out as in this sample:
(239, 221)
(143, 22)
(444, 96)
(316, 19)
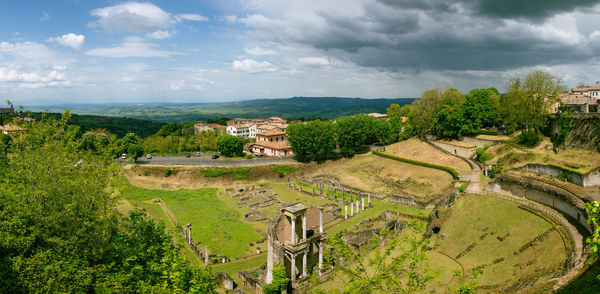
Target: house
(217, 128)
(242, 130)
(12, 130)
(265, 128)
(272, 143)
(582, 99)
(274, 120)
(378, 115)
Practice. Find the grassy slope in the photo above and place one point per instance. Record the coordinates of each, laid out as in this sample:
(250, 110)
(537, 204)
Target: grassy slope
(213, 223)
(480, 220)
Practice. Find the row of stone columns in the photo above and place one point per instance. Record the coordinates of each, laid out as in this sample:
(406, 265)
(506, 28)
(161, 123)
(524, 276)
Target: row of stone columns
(359, 204)
(187, 236)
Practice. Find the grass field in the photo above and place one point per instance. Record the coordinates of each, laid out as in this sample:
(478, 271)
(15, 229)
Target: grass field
(417, 149)
(381, 175)
(513, 155)
(496, 231)
(214, 224)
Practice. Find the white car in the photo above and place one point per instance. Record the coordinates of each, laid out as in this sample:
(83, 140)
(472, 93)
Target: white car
(124, 155)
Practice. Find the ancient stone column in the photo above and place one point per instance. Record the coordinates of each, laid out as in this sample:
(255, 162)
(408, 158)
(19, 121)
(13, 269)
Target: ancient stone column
(205, 255)
(304, 264)
(346, 212)
(363, 203)
(293, 269)
(304, 226)
(320, 258)
(351, 209)
(293, 238)
(357, 207)
(321, 220)
(369, 202)
(300, 187)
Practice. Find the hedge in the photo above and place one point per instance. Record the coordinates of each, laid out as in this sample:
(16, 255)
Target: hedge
(488, 132)
(451, 171)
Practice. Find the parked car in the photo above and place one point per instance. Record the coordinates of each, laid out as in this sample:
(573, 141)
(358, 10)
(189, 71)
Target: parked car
(124, 155)
(148, 156)
(188, 155)
(197, 154)
(215, 156)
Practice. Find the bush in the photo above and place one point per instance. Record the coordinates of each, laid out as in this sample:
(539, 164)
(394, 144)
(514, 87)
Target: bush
(249, 156)
(213, 173)
(463, 187)
(529, 138)
(481, 155)
(283, 170)
(238, 173)
(168, 172)
(488, 132)
(230, 146)
(449, 170)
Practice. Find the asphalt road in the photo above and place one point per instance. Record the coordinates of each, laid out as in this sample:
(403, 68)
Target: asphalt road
(206, 159)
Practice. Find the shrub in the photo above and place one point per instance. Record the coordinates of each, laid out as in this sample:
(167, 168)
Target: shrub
(249, 156)
(481, 155)
(529, 138)
(238, 174)
(449, 170)
(463, 187)
(168, 172)
(488, 132)
(283, 170)
(213, 173)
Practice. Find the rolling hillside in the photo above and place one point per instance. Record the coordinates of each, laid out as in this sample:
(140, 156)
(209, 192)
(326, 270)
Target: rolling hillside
(296, 107)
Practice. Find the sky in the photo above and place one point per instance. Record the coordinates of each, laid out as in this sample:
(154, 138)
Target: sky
(90, 51)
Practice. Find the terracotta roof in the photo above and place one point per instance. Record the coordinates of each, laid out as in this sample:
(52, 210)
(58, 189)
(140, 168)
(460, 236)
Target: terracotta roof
(571, 99)
(12, 128)
(266, 127)
(242, 126)
(272, 145)
(271, 133)
(404, 119)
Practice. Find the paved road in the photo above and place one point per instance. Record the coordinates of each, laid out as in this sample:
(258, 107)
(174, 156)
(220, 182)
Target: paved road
(206, 159)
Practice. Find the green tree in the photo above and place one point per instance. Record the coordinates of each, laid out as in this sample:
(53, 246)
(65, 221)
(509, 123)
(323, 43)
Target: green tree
(313, 141)
(381, 271)
(280, 280)
(230, 146)
(355, 131)
(135, 151)
(481, 108)
(527, 104)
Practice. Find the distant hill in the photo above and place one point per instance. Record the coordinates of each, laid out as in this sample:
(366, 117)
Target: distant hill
(296, 107)
(116, 125)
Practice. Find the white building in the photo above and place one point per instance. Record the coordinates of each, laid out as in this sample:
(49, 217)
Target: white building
(242, 130)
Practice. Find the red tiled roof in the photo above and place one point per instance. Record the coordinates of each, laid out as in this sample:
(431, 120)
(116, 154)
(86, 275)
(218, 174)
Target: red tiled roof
(271, 133)
(273, 145)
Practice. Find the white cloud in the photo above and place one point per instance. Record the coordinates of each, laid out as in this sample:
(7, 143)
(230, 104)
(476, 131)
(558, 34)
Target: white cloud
(132, 47)
(45, 16)
(192, 17)
(138, 17)
(160, 35)
(70, 40)
(231, 18)
(132, 17)
(26, 51)
(260, 51)
(314, 60)
(252, 66)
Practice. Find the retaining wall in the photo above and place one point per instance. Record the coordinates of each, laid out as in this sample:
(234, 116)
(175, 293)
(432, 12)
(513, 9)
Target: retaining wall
(590, 179)
(549, 195)
(461, 151)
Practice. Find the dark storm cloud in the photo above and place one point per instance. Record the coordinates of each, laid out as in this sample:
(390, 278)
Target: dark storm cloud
(440, 35)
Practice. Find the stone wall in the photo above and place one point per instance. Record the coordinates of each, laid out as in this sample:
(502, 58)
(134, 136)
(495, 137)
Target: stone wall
(461, 151)
(541, 192)
(590, 179)
(480, 142)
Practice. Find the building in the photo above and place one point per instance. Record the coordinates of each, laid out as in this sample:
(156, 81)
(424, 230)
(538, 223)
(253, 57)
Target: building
(274, 120)
(378, 115)
(266, 128)
(217, 128)
(296, 239)
(582, 99)
(242, 130)
(272, 143)
(12, 130)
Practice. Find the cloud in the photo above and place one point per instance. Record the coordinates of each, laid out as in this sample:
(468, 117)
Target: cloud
(314, 61)
(131, 47)
(253, 66)
(70, 40)
(45, 16)
(136, 17)
(132, 17)
(26, 51)
(230, 19)
(160, 35)
(192, 17)
(260, 51)
(421, 35)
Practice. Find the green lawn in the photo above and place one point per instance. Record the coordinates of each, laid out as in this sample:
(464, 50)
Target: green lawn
(497, 229)
(214, 224)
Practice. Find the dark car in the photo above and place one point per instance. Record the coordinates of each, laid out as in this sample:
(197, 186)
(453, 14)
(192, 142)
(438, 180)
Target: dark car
(188, 155)
(215, 156)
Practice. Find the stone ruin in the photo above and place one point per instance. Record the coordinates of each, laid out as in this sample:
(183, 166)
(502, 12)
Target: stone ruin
(296, 239)
(367, 229)
(253, 198)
